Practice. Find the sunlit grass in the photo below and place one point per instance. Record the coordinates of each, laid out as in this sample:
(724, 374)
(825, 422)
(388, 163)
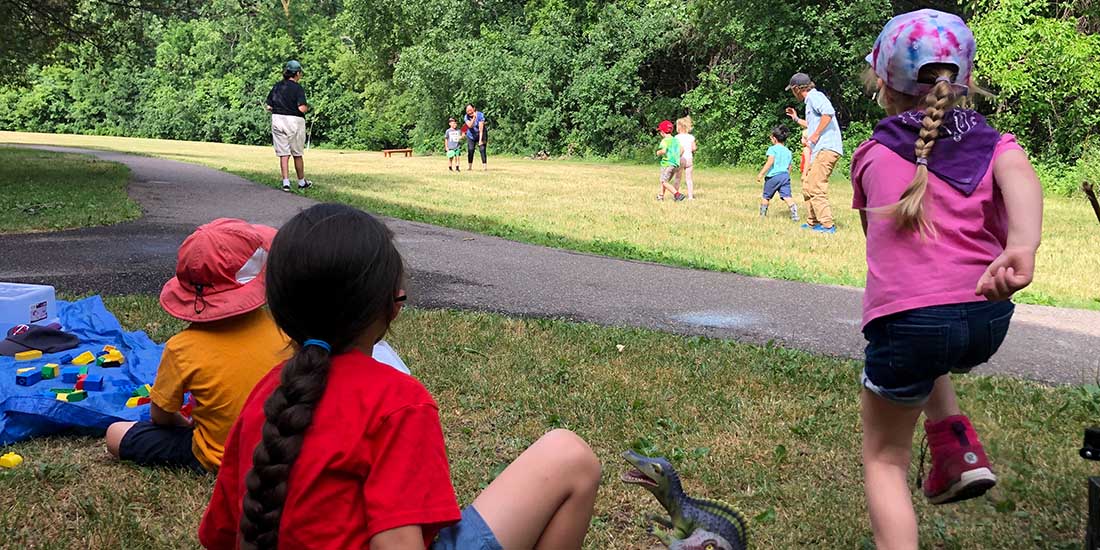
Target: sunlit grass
(609, 208)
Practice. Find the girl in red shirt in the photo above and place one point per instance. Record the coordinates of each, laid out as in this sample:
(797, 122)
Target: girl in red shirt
(336, 450)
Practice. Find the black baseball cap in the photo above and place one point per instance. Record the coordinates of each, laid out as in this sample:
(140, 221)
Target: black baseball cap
(47, 339)
(799, 79)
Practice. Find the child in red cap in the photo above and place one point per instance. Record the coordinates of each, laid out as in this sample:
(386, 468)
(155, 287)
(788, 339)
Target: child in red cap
(669, 151)
(231, 343)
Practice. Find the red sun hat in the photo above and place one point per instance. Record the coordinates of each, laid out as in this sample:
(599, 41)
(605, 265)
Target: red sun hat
(220, 272)
(665, 127)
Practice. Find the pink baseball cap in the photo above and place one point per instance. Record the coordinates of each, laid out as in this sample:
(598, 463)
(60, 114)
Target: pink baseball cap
(918, 38)
(220, 272)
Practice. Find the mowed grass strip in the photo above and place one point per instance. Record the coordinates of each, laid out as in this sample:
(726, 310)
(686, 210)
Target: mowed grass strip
(609, 208)
(774, 431)
(46, 191)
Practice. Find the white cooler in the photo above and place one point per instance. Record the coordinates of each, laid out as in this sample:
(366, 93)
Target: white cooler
(23, 304)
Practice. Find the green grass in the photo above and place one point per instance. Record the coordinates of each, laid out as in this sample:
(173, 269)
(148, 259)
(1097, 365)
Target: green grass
(608, 208)
(772, 430)
(45, 191)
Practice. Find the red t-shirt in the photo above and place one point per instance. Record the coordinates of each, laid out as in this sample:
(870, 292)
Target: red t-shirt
(372, 460)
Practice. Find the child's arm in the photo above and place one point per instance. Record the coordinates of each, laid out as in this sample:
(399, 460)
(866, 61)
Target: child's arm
(161, 417)
(409, 537)
(767, 166)
(1015, 267)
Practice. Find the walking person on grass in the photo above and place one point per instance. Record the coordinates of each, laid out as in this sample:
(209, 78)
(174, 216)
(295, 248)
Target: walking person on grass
(669, 152)
(475, 136)
(826, 146)
(952, 210)
(287, 104)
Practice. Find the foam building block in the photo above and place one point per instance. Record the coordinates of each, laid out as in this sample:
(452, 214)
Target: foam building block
(84, 369)
(72, 397)
(84, 358)
(80, 381)
(137, 401)
(94, 382)
(24, 370)
(142, 390)
(28, 355)
(108, 348)
(28, 378)
(10, 460)
(50, 370)
(65, 359)
(113, 358)
(69, 374)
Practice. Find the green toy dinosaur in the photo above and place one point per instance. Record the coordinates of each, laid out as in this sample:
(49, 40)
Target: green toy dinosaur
(686, 515)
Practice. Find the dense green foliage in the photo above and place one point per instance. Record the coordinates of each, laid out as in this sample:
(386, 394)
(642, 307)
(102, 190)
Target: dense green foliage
(576, 77)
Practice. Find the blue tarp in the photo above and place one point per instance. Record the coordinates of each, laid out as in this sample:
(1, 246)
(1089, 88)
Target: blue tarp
(27, 412)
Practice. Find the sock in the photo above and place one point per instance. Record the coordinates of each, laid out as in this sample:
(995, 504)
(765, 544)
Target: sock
(301, 183)
(794, 211)
(286, 182)
(763, 210)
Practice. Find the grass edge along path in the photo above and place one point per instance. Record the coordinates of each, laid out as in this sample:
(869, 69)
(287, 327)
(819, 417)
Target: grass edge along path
(774, 431)
(608, 209)
(48, 191)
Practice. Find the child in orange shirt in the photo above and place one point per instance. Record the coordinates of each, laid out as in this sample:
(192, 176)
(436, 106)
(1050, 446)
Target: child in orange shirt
(335, 450)
(231, 343)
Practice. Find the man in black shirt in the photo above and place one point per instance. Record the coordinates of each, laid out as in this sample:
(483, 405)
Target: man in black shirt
(288, 108)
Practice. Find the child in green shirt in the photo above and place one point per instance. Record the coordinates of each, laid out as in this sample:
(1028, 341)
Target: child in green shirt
(669, 151)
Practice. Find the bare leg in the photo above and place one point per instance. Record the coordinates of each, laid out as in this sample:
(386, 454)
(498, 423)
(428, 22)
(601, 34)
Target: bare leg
(942, 403)
(299, 167)
(690, 181)
(790, 202)
(544, 499)
(887, 449)
(284, 166)
(115, 433)
(679, 176)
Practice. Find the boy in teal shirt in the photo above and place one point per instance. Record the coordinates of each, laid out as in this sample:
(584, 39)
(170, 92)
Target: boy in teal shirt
(669, 151)
(776, 175)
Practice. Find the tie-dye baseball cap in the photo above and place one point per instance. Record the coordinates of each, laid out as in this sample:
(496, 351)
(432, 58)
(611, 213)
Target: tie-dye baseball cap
(915, 39)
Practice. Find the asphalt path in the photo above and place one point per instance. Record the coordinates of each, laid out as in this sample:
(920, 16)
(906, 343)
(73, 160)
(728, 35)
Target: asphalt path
(457, 269)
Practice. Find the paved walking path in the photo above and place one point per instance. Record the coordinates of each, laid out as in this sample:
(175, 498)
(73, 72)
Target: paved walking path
(457, 269)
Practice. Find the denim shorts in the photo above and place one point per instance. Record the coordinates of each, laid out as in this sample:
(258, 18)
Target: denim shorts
(470, 533)
(906, 352)
(780, 183)
(148, 444)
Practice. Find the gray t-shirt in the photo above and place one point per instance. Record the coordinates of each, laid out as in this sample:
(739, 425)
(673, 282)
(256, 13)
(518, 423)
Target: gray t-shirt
(453, 137)
(817, 105)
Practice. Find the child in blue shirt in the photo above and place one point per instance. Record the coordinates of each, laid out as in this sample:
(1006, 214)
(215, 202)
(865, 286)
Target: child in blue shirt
(775, 175)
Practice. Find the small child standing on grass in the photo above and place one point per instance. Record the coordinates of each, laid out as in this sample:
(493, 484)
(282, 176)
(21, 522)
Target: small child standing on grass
(231, 343)
(336, 450)
(687, 155)
(669, 151)
(953, 214)
(452, 138)
(776, 175)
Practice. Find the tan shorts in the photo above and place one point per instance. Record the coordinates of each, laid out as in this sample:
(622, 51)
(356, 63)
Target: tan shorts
(288, 134)
(667, 172)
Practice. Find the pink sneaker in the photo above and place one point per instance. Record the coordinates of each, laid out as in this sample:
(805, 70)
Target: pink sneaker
(960, 469)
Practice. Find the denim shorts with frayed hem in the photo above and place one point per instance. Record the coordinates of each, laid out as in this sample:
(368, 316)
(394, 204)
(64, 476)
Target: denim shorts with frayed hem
(470, 533)
(907, 351)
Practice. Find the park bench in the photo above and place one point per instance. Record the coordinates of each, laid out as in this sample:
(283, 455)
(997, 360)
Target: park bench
(388, 152)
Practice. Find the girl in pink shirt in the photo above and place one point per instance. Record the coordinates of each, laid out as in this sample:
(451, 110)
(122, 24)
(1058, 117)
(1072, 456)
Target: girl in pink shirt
(952, 211)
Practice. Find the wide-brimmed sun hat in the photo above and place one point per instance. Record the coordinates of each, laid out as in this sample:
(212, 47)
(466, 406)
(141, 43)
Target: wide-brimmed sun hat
(918, 38)
(220, 272)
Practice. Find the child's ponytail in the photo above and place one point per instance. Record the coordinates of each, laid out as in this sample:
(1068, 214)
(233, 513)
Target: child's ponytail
(332, 273)
(909, 211)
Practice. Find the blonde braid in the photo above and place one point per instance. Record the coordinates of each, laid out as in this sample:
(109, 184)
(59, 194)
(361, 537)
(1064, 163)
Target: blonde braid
(909, 210)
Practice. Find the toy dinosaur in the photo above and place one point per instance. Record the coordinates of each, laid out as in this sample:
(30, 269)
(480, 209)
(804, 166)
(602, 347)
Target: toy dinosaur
(701, 540)
(686, 516)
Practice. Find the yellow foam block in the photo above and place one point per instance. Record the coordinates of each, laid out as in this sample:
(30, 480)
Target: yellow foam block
(28, 355)
(24, 369)
(10, 460)
(84, 359)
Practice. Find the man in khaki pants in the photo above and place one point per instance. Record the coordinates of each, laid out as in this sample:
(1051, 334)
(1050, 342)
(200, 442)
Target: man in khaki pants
(287, 104)
(826, 146)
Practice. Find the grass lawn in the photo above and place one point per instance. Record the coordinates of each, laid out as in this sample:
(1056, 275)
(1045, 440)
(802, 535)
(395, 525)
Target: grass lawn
(608, 209)
(774, 431)
(45, 191)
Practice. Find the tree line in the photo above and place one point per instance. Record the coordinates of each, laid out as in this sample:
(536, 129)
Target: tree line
(565, 77)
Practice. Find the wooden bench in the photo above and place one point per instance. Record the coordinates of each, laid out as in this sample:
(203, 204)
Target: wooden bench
(388, 152)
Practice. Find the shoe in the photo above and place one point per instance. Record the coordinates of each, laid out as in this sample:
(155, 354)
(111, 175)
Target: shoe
(808, 226)
(679, 197)
(823, 229)
(660, 197)
(960, 469)
(303, 185)
(450, 169)
(286, 187)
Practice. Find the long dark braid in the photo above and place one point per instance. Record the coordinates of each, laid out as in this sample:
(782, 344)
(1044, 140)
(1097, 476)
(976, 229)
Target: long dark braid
(333, 271)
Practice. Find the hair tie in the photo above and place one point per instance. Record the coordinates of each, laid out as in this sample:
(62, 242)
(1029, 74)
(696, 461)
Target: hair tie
(922, 162)
(319, 343)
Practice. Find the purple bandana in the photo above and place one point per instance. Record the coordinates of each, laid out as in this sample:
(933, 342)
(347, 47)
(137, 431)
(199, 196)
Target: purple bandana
(963, 150)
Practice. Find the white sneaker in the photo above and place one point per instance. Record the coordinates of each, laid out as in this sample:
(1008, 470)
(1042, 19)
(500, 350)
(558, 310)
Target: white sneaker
(286, 187)
(304, 184)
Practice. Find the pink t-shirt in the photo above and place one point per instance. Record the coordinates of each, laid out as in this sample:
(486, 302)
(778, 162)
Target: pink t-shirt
(907, 272)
